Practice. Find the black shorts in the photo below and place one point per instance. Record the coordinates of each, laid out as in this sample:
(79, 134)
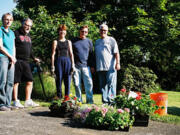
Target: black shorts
(22, 72)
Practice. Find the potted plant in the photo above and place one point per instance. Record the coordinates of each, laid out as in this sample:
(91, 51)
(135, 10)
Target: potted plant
(64, 107)
(105, 117)
(141, 105)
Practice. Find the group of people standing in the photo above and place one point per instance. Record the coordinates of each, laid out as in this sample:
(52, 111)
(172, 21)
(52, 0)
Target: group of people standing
(76, 58)
(79, 59)
(15, 52)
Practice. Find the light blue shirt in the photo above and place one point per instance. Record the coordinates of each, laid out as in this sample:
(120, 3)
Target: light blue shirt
(105, 50)
(8, 40)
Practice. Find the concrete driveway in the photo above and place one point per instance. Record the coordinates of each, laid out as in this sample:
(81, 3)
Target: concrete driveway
(36, 121)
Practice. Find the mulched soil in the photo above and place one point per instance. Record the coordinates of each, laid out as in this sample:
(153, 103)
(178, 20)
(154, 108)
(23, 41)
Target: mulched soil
(37, 121)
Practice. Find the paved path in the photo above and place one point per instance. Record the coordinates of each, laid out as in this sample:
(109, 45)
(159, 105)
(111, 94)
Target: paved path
(37, 121)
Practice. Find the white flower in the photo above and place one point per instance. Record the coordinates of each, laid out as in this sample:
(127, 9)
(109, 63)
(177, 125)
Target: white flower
(132, 94)
(132, 102)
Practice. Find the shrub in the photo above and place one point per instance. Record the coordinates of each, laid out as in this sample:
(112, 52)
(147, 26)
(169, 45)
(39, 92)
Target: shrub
(137, 79)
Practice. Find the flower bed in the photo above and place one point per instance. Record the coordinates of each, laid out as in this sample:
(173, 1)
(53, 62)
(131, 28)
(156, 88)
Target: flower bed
(104, 117)
(129, 108)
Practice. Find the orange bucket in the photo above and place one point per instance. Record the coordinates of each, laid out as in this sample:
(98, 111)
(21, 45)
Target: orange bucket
(161, 100)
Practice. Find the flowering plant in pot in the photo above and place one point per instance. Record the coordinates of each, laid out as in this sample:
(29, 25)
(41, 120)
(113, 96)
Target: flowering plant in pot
(137, 102)
(64, 107)
(141, 105)
(105, 117)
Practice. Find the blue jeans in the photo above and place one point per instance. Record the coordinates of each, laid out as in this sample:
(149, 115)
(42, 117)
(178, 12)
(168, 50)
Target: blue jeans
(107, 84)
(84, 74)
(6, 82)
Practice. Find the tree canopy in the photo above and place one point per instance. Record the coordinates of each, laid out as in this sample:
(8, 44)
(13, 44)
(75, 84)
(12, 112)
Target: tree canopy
(147, 31)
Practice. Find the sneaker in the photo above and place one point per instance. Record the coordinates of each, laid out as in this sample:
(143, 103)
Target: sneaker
(18, 104)
(4, 108)
(30, 103)
(13, 107)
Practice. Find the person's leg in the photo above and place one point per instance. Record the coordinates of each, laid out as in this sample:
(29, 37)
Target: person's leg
(16, 101)
(15, 91)
(3, 78)
(103, 85)
(111, 82)
(67, 74)
(17, 80)
(59, 76)
(28, 90)
(77, 83)
(29, 102)
(88, 84)
(9, 85)
(67, 83)
(28, 78)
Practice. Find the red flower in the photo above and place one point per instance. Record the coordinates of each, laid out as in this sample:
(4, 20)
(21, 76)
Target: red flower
(139, 93)
(123, 90)
(138, 97)
(66, 98)
(75, 98)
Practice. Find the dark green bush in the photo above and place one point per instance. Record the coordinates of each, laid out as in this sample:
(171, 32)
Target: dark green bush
(137, 79)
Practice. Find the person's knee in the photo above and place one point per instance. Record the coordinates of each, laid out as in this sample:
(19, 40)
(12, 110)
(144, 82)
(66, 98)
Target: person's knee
(29, 83)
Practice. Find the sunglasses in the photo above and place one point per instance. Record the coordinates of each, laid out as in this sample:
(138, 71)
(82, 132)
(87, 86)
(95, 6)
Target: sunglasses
(84, 31)
(103, 30)
(28, 25)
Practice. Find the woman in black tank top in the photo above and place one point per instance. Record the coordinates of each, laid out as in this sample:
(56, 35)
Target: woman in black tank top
(62, 61)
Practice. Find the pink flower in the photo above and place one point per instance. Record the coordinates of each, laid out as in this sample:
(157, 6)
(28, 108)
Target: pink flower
(87, 110)
(120, 110)
(127, 110)
(83, 116)
(95, 107)
(123, 90)
(104, 111)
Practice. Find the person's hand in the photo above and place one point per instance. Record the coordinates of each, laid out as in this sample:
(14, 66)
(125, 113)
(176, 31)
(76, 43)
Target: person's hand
(117, 67)
(72, 69)
(92, 70)
(37, 60)
(12, 62)
(52, 70)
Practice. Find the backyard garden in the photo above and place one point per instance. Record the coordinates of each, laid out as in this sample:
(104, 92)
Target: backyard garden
(148, 37)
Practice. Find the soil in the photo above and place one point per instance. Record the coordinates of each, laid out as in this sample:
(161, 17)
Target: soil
(37, 121)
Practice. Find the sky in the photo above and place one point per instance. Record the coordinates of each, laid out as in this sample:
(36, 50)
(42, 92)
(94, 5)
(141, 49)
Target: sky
(6, 6)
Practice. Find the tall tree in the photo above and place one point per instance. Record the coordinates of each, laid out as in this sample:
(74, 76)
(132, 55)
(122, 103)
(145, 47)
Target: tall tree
(147, 31)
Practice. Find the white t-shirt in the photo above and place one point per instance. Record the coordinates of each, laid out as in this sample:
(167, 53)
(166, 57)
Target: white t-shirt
(105, 50)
